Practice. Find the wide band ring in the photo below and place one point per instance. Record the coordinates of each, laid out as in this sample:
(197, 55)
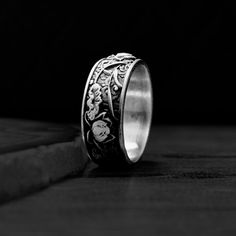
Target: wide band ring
(117, 110)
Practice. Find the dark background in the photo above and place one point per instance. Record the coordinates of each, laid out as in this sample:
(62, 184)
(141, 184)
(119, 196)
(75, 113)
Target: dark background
(47, 51)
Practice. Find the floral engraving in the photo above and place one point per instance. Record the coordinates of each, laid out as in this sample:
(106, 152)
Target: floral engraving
(103, 99)
(100, 130)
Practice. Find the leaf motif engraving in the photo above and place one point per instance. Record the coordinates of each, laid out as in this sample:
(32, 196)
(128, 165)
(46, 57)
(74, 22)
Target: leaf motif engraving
(94, 101)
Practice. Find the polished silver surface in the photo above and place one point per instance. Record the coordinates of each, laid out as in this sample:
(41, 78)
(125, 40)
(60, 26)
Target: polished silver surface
(137, 112)
(117, 110)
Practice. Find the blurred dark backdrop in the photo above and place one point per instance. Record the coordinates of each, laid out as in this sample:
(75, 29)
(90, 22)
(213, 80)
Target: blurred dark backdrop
(47, 51)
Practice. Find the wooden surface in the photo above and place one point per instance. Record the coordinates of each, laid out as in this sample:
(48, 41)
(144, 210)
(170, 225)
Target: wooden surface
(185, 185)
(35, 154)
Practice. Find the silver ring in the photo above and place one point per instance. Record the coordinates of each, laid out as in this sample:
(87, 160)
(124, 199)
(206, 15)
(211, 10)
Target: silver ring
(117, 110)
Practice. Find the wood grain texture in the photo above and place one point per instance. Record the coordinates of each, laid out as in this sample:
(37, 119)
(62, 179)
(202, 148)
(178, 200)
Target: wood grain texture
(35, 154)
(184, 185)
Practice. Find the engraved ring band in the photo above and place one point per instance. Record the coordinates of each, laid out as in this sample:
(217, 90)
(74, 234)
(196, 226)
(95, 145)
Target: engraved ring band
(117, 110)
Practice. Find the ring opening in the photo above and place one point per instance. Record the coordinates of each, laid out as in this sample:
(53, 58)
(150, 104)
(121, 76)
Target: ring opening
(137, 112)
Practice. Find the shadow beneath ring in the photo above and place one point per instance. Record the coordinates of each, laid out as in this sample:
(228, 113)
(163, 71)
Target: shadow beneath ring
(141, 169)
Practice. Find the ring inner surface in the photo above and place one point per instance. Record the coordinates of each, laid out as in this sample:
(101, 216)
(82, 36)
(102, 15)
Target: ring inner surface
(137, 112)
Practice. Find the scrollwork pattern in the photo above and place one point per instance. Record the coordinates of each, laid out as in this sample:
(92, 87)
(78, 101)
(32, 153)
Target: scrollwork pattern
(102, 105)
